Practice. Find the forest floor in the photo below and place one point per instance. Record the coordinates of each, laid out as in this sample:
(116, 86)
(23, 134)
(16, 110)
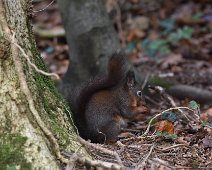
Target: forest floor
(171, 40)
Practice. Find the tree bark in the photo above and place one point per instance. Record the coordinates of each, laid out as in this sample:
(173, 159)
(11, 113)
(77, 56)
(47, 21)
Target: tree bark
(35, 124)
(90, 36)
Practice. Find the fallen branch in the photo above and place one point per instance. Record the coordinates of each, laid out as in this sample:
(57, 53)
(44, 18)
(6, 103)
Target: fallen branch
(194, 93)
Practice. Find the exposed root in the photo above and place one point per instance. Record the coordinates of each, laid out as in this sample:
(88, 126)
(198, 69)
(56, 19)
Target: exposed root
(32, 64)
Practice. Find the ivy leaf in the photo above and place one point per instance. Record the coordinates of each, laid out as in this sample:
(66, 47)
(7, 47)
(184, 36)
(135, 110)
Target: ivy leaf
(204, 123)
(193, 105)
(157, 44)
(165, 50)
(186, 32)
(131, 46)
(165, 134)
(167, 24)
(174, 136)
(11, 167)
(170, 116)
(197, 16)
(158, 133)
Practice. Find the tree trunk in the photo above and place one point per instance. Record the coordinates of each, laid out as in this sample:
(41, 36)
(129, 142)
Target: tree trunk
(35, 124)
(90, 36)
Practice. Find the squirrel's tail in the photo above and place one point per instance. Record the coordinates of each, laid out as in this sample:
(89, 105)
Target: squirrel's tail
(117, 68)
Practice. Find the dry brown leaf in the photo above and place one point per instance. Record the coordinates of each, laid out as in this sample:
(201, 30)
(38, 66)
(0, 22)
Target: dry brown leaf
(207, 141)
(207, 115)
(172, 59)
(165, 126)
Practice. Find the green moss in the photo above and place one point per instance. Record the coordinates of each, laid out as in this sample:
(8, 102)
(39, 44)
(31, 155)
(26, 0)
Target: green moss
(51, 100)
(12, 152)
(44, 84)
(194, 163)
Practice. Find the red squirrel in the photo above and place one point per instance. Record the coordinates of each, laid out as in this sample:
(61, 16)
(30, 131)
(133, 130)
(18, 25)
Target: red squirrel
(105, 104)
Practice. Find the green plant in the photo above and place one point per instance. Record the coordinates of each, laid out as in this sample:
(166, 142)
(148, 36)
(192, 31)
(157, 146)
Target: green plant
(162, 46)
(166, 135)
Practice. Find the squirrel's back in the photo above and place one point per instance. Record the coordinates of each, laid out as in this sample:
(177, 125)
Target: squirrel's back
(116, 71)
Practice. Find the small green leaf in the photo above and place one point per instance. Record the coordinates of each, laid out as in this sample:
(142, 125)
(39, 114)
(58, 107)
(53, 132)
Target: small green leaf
(167, 24)
(165, 134)
(173, 37)
(193, 105)
(131, 46)
(197, 16)
(157, 44)
(11, 167)
(204, 123)
(158, 133)
(164, 50)
(145, 43)
(186, 32)
(174, 136)
(170, 116)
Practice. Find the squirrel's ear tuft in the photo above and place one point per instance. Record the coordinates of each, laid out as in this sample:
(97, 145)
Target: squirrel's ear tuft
(130, 79)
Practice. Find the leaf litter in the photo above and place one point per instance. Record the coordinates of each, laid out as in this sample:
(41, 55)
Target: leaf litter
(175, 37)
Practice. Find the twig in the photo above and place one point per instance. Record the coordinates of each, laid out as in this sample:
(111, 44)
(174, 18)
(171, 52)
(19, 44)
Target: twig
(104, 150)
(141, 164)
(167, 97)
(48, 33)
(145, 81)
(45, 7)
(119, 25)
(171, 147)
(32, 64)
(26, 91)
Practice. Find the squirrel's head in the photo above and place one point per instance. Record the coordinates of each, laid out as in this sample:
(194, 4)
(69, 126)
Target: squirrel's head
(136, 97)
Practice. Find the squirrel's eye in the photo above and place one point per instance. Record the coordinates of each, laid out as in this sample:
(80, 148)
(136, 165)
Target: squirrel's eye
(139, 93)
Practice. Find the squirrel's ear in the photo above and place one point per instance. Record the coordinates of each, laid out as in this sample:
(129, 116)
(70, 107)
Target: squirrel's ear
(130, 79)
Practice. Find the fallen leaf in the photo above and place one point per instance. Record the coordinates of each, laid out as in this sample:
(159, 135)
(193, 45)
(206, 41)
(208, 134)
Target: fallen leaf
(125, 135)
(207, 141)
(141, 23)
(165, 126)
(172, 59)
(207, 115)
